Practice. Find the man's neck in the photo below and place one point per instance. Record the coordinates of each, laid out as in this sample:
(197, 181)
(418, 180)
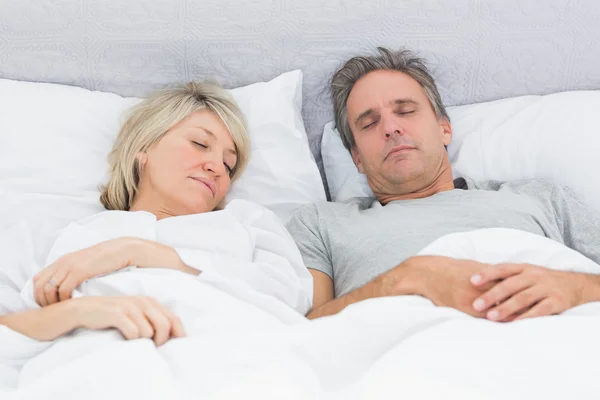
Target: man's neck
(443, 183)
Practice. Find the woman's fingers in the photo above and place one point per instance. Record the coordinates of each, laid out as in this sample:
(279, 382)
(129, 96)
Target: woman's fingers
(175, 325)
(160, 324)
(127, 327)
(177, 330)
(166, 324)
(68, 285)
(46, 287)
(137, 315)
(39, 284)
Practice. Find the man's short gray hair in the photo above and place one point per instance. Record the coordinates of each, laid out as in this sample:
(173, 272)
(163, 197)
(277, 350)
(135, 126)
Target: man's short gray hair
(402, 60)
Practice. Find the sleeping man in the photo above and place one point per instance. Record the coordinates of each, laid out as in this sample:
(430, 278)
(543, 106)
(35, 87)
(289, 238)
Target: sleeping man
(391, 118)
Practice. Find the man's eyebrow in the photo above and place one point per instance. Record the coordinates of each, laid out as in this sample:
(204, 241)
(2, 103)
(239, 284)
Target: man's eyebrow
(405, 101)
(363, 115)
(230, 151)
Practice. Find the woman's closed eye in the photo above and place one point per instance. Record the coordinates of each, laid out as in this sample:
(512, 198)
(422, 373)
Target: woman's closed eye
(227, 167)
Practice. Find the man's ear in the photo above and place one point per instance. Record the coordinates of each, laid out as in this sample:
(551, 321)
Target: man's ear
(446, 131)
(356, 159)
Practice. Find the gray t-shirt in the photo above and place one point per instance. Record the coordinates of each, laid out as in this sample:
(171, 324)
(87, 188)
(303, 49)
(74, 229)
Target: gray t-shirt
(355, 241)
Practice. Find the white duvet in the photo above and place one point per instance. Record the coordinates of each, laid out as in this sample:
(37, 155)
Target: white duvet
(246, 343)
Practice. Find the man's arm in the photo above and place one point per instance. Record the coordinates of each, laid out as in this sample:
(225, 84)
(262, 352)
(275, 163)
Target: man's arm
(444, 281)
(325, 304)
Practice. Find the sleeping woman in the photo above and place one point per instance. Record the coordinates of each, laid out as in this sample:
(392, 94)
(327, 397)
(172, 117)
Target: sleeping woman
(171, 166)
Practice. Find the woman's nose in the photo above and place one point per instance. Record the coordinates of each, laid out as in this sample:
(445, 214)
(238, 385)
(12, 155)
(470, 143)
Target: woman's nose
(212, 165)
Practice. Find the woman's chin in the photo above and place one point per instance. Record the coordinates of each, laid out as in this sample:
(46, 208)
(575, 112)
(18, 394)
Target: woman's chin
(202, 206)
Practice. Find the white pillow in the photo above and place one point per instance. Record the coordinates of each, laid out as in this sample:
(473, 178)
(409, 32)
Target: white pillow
(343, 179)
(55, 139)
(554, 137)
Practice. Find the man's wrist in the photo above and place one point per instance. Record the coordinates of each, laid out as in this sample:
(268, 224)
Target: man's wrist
(404, 279)
(590, 291)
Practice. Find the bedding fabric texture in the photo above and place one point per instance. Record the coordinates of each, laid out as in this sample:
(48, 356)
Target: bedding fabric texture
(381, 348)
(55, 142)
(554, 137)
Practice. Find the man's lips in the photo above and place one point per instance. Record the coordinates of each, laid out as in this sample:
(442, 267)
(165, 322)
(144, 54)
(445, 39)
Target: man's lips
(399, 149)
(211, 186)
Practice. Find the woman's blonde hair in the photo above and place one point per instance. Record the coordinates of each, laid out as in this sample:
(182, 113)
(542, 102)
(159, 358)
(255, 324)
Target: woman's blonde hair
(149, 121)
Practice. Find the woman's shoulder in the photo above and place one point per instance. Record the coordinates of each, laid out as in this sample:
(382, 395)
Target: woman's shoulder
(248, 212)
(244, 208)
(114, 216)
(116, 223)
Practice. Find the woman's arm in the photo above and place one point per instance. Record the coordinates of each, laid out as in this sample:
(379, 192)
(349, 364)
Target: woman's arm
(134, 316)
(43, 323)
(149, 254)
(56, 282)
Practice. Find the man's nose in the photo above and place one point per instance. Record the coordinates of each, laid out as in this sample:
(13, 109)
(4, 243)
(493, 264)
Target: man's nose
(391, 127)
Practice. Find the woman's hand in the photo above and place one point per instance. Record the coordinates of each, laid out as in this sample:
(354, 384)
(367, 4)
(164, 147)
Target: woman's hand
(57, 281)
(134, 316)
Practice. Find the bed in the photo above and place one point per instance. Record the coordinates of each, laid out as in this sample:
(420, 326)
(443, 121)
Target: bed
(501, 67)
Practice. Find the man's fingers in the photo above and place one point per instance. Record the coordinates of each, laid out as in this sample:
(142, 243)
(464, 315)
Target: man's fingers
(501, 291)
(544, 307)
(496, 272)
(517, 304)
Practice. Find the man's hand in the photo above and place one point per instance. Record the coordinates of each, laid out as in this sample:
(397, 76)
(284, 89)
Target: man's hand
(446, 282)
(443, 280)
(524, 291)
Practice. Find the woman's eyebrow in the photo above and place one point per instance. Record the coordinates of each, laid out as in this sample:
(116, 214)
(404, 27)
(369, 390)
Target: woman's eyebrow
(230, 150)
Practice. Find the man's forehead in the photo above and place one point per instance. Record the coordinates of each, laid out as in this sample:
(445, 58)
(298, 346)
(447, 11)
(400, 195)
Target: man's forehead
(384, 87)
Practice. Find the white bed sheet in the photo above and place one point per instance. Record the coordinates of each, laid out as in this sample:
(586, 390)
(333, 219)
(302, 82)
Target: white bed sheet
(380, 348)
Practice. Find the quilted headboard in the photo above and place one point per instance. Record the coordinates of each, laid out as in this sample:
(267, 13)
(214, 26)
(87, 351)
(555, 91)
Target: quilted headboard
(478, 49)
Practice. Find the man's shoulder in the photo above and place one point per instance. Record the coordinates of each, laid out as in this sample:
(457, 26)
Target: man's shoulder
(326, 210)
(528, 185)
